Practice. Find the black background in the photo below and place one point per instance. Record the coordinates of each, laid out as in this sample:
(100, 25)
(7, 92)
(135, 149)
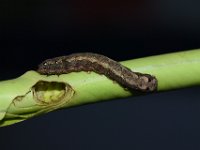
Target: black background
(31, 31)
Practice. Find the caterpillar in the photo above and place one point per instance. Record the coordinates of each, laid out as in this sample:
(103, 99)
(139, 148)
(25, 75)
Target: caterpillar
(102, 65)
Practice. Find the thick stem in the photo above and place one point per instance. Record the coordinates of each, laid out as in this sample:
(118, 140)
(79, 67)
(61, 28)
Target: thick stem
(33, 94)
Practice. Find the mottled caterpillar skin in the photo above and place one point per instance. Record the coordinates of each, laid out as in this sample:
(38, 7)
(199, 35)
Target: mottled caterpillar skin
(102, 65)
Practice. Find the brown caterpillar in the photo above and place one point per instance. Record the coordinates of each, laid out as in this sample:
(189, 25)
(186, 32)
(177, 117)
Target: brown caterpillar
(102, 65)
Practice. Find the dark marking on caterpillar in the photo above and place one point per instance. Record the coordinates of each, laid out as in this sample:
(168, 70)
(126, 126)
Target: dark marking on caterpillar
(102, 65)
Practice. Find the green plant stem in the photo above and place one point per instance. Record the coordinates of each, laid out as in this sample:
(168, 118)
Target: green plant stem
(18, 102)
